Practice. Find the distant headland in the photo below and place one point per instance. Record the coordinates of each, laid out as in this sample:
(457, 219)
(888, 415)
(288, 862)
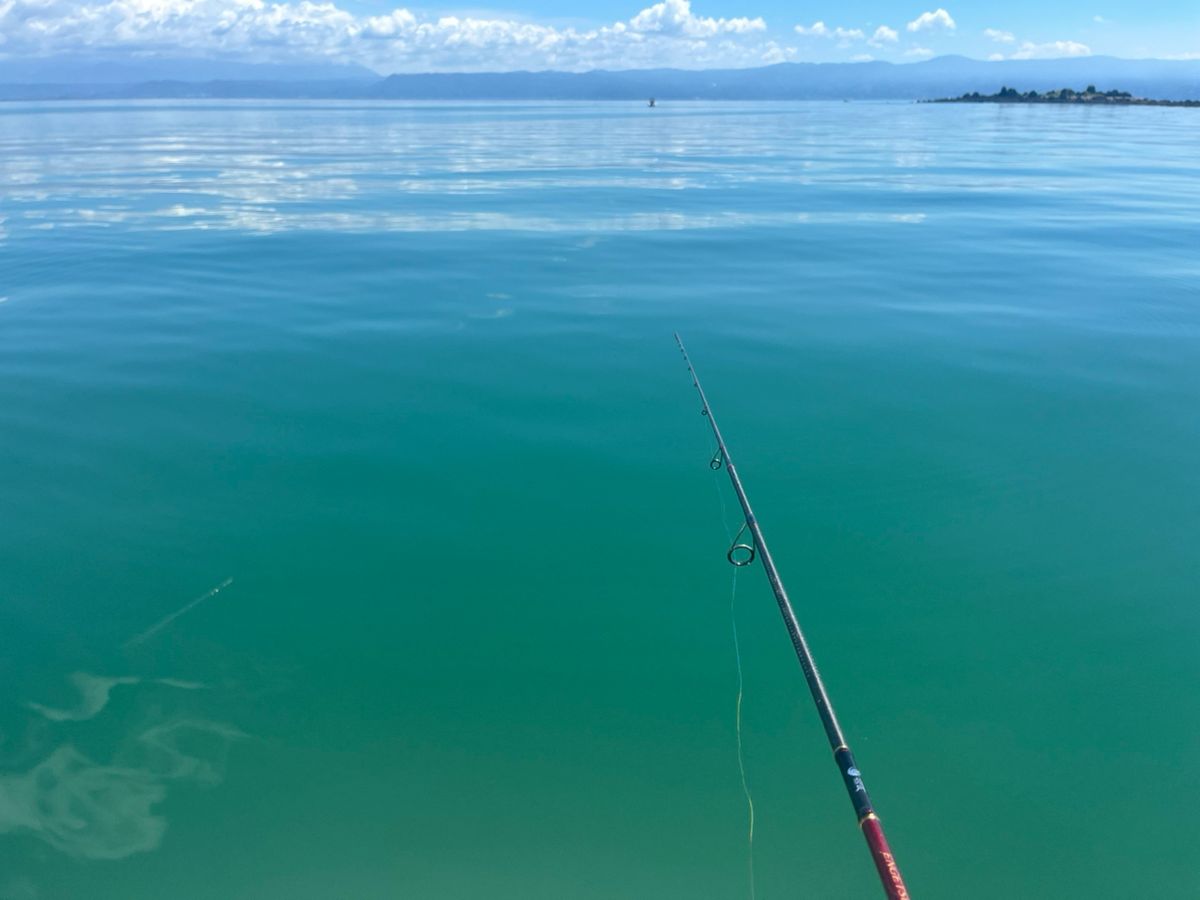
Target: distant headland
(1088, 95)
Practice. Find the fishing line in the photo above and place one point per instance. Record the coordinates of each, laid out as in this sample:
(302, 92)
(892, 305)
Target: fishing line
(717, 487)
(737, 654)
(724, 508)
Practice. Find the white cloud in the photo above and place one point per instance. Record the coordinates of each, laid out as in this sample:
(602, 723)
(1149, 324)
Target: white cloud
(666, 33)
(939, 18)
(884, 35)
(1100, 20)
(1051, 50)
(862, 57)
(995, 57)
(675, 17)
(1000, 37)
(820, 29)
(816, 29)
(774, 52)
(919, 52)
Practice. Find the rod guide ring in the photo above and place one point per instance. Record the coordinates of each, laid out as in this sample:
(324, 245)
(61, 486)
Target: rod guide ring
(746, 557)
(740, 554)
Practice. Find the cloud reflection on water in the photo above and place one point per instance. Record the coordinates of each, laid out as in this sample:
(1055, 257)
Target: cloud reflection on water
(409, 169)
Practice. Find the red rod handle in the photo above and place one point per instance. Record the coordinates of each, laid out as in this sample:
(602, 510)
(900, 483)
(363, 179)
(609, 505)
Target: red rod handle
(885, 863)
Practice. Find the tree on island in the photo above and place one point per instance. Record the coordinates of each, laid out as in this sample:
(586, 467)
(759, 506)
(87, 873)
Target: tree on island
(1089, 96)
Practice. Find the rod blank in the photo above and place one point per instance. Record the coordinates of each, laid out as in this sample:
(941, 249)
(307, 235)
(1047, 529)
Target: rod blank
(872, 828)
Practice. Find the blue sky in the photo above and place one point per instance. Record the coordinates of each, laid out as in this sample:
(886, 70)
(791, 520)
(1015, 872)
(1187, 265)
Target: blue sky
(539, 34)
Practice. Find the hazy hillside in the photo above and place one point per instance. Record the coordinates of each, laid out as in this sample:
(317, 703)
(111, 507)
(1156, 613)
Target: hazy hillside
(940, 77)
(944, 76)
(82, 72)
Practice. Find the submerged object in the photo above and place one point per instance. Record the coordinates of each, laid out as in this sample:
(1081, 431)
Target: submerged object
(743, 554)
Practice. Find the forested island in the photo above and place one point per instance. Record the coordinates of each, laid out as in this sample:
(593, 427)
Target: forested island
(1088, 95)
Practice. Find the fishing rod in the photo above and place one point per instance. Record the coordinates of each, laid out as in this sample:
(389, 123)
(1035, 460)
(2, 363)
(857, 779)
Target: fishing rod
(742, 554)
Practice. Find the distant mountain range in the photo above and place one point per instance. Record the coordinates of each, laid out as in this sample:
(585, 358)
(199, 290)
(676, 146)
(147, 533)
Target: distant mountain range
(945, 76)
(79, 72)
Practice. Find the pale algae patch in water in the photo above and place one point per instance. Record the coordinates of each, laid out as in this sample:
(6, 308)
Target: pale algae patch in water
(107, 811)
(405, 373)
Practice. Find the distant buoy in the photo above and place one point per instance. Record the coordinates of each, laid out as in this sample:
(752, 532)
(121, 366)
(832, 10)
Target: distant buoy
(651, 101)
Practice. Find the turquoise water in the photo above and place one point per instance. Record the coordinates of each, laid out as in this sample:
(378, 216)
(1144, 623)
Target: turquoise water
(404, 373)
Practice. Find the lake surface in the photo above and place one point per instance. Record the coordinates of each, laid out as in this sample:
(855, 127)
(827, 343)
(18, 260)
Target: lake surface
(405, 374)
